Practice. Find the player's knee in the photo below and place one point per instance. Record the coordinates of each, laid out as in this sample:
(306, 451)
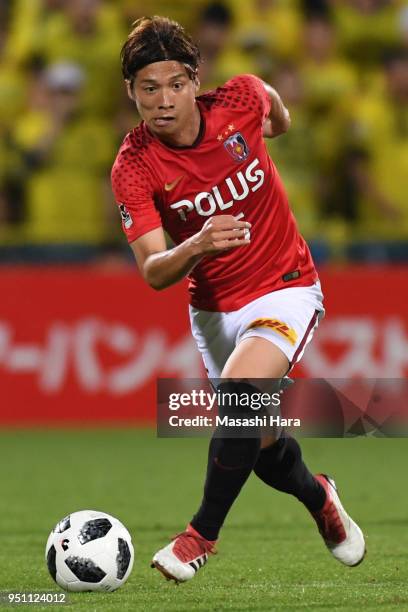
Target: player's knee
(269, 440)
(238, 400)
(239, 442)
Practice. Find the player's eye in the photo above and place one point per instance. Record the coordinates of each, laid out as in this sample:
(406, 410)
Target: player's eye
(150, 89)
(178, 85)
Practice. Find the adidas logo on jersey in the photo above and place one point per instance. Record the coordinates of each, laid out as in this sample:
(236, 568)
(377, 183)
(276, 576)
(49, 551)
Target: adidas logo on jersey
(207, 202)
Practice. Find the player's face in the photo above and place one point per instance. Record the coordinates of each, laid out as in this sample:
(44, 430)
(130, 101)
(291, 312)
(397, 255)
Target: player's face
(165, 98)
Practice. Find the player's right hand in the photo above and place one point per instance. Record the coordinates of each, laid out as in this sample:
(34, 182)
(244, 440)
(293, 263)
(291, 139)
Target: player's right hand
(220, 233)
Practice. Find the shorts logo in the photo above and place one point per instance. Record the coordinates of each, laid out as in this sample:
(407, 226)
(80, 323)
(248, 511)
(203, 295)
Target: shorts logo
(281, 328)
(237, 147)
(126, 216)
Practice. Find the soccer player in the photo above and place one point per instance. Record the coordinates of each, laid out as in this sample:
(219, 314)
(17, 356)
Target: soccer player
(197, 167)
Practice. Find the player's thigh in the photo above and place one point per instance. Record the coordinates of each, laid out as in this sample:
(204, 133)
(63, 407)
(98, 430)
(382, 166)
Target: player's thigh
(256, 357)
(273, 333)
(287, 320)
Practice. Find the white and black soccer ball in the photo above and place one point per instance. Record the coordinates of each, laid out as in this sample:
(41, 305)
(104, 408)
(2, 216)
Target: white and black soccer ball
(89, 551)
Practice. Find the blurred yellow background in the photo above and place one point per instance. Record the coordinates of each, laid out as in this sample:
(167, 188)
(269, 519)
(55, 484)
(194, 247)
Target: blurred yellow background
(341, 67)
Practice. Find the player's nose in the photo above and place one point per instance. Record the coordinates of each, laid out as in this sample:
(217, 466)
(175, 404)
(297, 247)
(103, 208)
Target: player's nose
(166, 101)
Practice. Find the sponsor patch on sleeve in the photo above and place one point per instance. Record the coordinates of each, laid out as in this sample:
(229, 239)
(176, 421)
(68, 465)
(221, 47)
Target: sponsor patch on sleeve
(126, 216)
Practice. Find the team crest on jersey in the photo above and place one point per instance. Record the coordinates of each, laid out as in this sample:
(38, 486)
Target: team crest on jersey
(237, 146)
(126, 216)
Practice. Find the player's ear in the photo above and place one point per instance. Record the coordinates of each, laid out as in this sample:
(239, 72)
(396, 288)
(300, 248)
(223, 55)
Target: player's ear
(197, 83)
(129, 89)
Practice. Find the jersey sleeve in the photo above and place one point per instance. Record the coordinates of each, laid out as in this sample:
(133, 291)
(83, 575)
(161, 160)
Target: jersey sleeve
(134, 194)
(246, 92)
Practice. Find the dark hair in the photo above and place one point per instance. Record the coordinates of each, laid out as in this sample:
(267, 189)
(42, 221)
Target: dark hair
(157, 39)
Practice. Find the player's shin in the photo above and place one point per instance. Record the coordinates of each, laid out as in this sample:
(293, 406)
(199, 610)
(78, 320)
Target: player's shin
(281, 466)
(233, 452)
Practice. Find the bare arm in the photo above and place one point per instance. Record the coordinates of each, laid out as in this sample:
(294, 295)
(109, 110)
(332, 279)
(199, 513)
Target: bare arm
(278, 121)
(162, 267)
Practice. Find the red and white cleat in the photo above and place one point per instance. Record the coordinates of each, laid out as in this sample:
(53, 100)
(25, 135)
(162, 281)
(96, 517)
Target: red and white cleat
(184, 556)
(342, 536)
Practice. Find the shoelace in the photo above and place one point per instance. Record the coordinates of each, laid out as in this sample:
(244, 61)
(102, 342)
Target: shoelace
(330, 525)
(190, 546)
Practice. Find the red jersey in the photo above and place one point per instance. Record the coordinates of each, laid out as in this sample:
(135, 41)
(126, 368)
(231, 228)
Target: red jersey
(226, 171)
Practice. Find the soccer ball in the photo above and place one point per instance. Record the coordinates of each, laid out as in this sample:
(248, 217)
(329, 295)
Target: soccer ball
(89, 551)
